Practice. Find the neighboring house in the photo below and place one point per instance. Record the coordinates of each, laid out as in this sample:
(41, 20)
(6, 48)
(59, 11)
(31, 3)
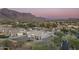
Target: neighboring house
(17, 32)
(23, 34)
(39, 34)
(8, 30)
(33, 35)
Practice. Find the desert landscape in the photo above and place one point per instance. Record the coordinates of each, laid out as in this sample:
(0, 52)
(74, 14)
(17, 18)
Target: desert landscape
(26, 31)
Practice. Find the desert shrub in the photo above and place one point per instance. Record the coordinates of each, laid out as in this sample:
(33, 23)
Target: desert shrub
(40, 46)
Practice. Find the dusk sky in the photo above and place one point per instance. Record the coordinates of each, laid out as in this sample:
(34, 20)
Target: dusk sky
(51, 12)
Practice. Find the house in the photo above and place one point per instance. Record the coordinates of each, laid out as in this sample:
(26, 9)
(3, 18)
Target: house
(38, 34)
(17, 32)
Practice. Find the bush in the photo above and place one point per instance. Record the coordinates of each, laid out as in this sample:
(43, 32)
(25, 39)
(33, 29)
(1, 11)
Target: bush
(40, 46)
(74, 44)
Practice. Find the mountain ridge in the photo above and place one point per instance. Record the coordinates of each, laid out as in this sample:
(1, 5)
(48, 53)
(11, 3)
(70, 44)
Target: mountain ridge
(19, 16)
(12, 15)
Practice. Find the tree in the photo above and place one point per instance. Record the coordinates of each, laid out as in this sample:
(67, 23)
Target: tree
(59, 33)
(74, 44)
(54, 25)
(31, 25)
(55, 42)
(73, 41)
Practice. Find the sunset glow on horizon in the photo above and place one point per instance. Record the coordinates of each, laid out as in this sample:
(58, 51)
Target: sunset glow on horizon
(51, 12)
